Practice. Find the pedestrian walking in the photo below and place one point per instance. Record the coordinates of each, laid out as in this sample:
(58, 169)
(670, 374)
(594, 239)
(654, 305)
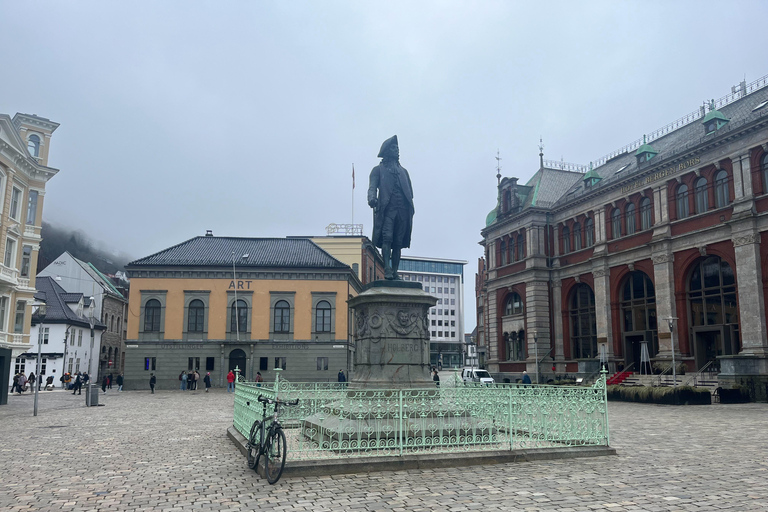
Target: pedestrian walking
(31, 381)
(259, 379)
(436, 378)
(152, 381)
(195, 378)
(183, 379)
(109, 381)
(342, 377)
(49, 383)
(207, 381)
(15, 383)
(231, 381)
(120, 382)
(526, 378)
(104, 383)
(86, 378)
(22, 383)
(78, 384)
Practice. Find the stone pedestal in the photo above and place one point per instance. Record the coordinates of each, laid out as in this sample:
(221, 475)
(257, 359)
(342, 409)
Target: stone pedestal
(392, 336)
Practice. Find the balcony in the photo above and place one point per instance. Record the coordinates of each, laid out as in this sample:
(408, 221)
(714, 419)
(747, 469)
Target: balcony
(15, 341)
(9, 276)
(31, 231)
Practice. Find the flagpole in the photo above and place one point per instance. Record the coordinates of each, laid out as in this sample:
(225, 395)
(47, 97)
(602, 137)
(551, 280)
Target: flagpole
(353, 195)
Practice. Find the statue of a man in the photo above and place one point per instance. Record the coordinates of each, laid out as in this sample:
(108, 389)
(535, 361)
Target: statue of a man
(391, 197)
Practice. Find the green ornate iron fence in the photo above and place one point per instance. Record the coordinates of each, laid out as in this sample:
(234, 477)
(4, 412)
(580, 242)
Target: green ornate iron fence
(334, 421)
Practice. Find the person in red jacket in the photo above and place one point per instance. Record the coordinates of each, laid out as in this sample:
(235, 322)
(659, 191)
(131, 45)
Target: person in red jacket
(231, 380)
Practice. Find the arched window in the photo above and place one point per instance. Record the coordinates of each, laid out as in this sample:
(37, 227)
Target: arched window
(713, 317)
(566, 240)
(196, 316)
(681, 198)
(112, 323)
(630, 216)
(520, 246)
(152, 316)
(238, 316)
(646, 220)
(616, 223)
(638, 309)
(33, 145)
(513, 305)
(722, 192)
(764, 170)
(700, 191)
(282, 316)
(589, 227)
(503, 252)
(576, 236)
(323, 316)
(119, 325)
(583, 322)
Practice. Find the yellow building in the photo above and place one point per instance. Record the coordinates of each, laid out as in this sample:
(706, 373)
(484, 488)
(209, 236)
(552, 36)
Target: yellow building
(211, 304)
(24, 146)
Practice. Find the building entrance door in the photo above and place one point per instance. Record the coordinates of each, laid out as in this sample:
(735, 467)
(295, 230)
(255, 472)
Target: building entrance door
(632, 351)
(237, 359)
(709, 345)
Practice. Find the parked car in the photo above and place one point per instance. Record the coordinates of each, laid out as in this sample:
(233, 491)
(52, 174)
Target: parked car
(476, 375)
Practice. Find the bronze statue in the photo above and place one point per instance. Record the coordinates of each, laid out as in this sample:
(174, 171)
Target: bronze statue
(391, 196)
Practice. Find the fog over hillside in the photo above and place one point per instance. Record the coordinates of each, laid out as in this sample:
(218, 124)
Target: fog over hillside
(57, 239)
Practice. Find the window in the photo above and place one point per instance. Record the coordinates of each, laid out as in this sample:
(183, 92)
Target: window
(322, 364)
(77, 365)
(681, 198)
(453, 312)
(722, 192)
(576, 236)
(712, 302)
(513, 305)
(589, 227)
(33, 145)
(263, 364)
(702, 202)
(69, 366)
(323, 316)
(520, 247)
(616, 223)
(32, 208)
(238, 316)
(15, 200)
(10, 253)
(210, 363)
(79, 337)
(112, 323)
(763, 169)
(72, 338)
(3, 312)
(566, 240)
(26, 258)
(280, 363)
(282, 318)
(630, 218)
(645, 213)
(583, 322)
(18, 324)
(45, 335)
(638, 309)
(193, 363)
(503, 252)
(149, 363)
(152, 316)
(20, 365)
(196, 316)
(43, 364)
(515, 345)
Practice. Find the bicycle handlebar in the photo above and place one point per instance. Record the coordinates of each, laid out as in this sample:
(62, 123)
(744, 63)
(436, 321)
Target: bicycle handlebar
(266, 400)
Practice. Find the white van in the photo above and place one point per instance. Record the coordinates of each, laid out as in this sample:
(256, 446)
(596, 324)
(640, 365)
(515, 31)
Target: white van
(476, 375)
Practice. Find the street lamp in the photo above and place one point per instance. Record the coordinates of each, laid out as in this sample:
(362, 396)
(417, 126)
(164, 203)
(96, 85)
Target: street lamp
(41, 311)
(671, 321)
(536, 352)
(92, 323)
(234, 282)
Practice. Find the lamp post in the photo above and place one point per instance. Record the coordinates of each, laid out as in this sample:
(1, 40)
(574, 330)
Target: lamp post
(41, 310)
(92, 323)
(536, 352)
(671, 321)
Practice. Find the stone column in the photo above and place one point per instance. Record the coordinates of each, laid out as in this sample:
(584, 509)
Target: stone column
(537, 320)
(601, 275)
(660, 205)
(556, 242)
(557, 307)
(664, 279)
(600, 237)
(751, 301)
(742, 176)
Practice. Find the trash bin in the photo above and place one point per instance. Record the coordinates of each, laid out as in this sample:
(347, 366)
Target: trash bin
(92, 395)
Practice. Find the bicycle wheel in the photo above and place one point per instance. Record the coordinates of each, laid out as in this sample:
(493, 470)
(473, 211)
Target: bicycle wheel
(254, 445)
(275, 452)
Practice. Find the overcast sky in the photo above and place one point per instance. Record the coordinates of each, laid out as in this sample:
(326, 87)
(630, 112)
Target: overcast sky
(246, 117)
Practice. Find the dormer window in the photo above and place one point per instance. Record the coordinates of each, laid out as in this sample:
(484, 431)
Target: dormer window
(591, 178)
(714, 120)
(645, 152)
(33, 145)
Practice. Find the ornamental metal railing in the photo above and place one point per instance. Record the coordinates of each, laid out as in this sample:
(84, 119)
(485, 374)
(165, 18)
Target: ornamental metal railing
(333, 420)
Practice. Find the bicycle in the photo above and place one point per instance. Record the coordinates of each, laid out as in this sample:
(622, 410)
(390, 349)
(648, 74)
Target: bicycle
(268, 441)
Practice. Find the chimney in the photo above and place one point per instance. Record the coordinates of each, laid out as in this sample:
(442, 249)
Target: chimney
(208, 232)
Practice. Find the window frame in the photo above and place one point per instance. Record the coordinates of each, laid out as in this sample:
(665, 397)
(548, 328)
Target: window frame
(630, 219)
(146, 296)
(646, 211)
(616, 223)
(682, 205)
(275, 298)
(15, 207)
(34, 140)
(722, 189)
(701, 195)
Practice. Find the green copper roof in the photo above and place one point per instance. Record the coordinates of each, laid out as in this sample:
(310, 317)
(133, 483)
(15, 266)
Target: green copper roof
(592, 175)
(714, 114)
(645, 148)
(491, 217)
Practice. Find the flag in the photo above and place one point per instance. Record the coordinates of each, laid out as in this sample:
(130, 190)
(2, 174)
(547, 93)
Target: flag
(353, 176)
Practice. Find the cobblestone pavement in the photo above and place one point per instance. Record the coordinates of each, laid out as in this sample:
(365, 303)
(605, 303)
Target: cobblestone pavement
(169, 451)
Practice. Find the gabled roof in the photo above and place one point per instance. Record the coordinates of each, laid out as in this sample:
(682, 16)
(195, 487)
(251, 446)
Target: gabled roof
(56, 300)
(214, 251)
(549, 185)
